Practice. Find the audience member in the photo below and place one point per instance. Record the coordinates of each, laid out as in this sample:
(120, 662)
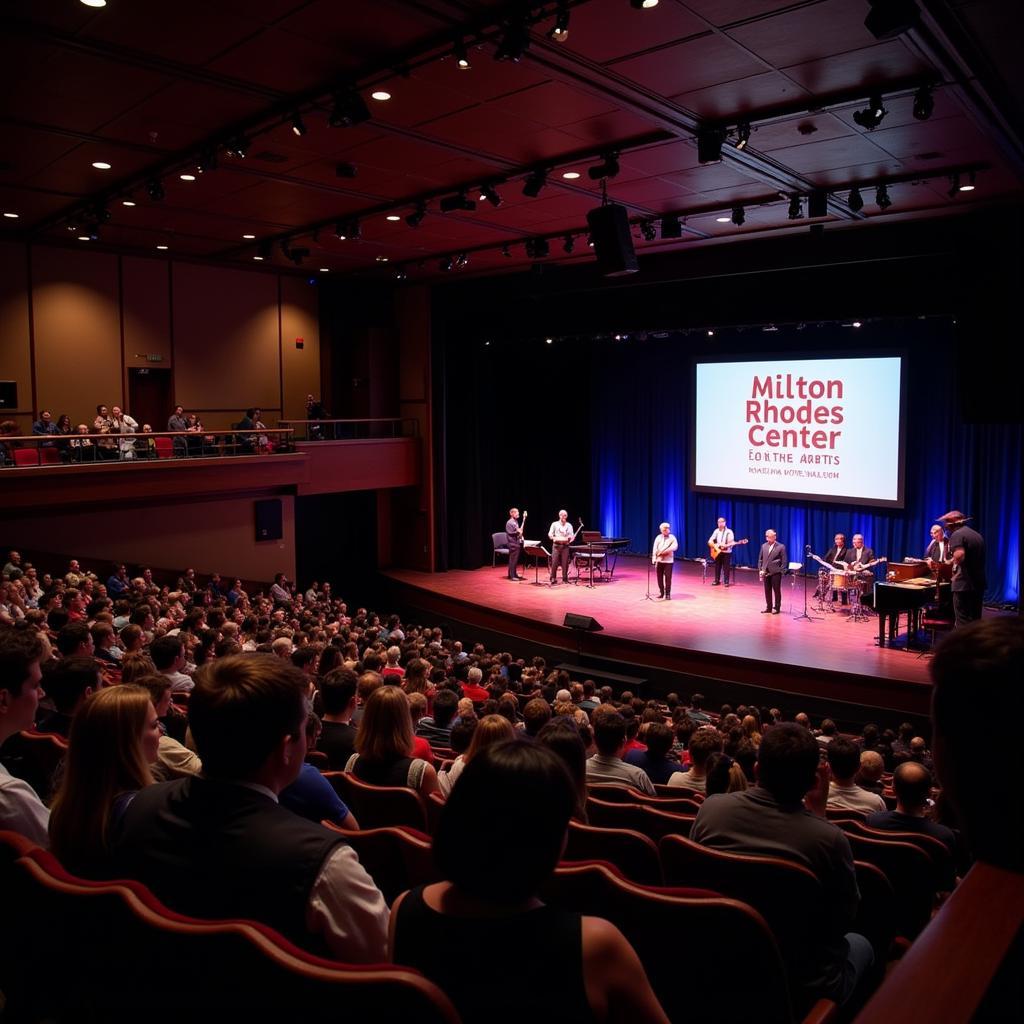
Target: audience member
(68, 682)
(654, 759)
(843, 792)
(338, 738)
(607, 764)
(723, 775)
(703, 743)
(491, 729)
(437, 729)
(173, 759)
(169, 659)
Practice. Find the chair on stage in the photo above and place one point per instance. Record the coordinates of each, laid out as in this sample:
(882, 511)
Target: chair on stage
(500, 542)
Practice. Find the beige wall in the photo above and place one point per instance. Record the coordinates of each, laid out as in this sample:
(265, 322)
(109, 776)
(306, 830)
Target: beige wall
(227, 335)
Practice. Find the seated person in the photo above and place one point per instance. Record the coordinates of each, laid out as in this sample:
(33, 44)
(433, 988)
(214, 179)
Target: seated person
(490, 730)
(338, 734)
(173, 759)
(512, 808)
(607, 764)
(703, 743)
(437, 729)
(654, 759)
(311, 795)
(843, 793)
(68, 682)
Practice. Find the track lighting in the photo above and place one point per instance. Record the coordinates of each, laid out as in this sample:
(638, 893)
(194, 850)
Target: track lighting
(346, 229)
(607, 168)
(795, 208)
(349, 109)
(924, 103)
(855, 201)
(534, 183)
(872, 115)
(559, 32)
(882, 200)
(647, 231)
(461, 54)
(457, 202)
(515, 41)
(238, 146)
(298, 125)
(709, 145)
(671, 226)
(568, 244)
(739, 215)
(415, 219)
(743, 135)
(488, 193)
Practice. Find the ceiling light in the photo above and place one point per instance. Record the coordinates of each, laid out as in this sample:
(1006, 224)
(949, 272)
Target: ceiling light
(856, 323)
(187, 177)
(349, 109)
(462, 260)
(711, 333)
(207, 161)
(415, 219)
(967, 186)
(549, 341)
(445, 265)
(461, 55)
(248, 238)
(890, 18)
(460, 201)
(882, 200)
(298, 125)
(571, 175)
(11, 216)
(380, 95)
(795, 208)
(872, 115)
(393, 217)
(709, 145)
(127, 202)
(924, 103)
(671, 227)
(382, 259)
(647, 231)
(85, 238)
(490, 195)
(401, 274)
(325, 270)
(723, 219)
(259, 259)
(739, 215)
(643, 5)
(590, 239)
(534, 183)
(568, 244)
(743, 135)
(608, 168)
(515, 41)
(94, 3)
(155, 191)
(559, 32)
(345, 229)
(855, 201)
(101, 165)
(238, 147)
(163, 248)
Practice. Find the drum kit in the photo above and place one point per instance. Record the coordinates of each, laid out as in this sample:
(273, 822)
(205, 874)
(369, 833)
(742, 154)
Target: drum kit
(834, 582)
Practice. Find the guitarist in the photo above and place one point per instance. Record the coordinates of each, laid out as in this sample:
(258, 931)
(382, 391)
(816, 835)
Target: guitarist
(514, 542)
(858, 556)
(561, 536)
(723, 538)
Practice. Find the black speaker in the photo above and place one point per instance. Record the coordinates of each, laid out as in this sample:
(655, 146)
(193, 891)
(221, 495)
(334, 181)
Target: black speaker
(587, 622)
(268, 519)
(613, 244)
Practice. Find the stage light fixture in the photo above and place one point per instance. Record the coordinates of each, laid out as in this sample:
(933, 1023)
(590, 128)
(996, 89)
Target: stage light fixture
(460, 201)
(559, 32)
(890, 18)
(346, 229)
(506, 251)
(155, 191)
(817, 203)
(349, 109)
(855, 201)
(207, 161)
(238, 146)
(462, 260)
(537, 248)
(739, 215)
(445, 265)
(607, 168)
(415, 219)
(488, 193)
(461, 54)
(872, 115)
(515, 40)
(401, 274)
(671, 226)
(568, 244)
(643, 5)
(709, 145)
(743, 135)
(924, 103)
(534, 183)
(967, 186)
(882, 200)
(647, 231)
(298, 125)
(795, 207)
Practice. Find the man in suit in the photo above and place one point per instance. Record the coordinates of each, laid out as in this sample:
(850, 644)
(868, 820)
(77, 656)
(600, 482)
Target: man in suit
(771, 564)
(514, 542)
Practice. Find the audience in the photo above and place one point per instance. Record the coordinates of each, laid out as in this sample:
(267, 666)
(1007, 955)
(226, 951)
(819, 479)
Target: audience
(703, 743)
(68, 683)
(491, 729)
(607, 764)
(338, 736)
(843, 792)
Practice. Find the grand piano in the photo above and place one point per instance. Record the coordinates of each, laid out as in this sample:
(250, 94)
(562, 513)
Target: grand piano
(909, 587)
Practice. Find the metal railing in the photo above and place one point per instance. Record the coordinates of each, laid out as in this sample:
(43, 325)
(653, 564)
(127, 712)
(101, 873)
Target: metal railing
(352, 429)
(23, 451)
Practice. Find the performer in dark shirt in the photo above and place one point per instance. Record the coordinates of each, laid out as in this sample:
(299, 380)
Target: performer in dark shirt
(968, 547)
(771, 564)
(514, 542)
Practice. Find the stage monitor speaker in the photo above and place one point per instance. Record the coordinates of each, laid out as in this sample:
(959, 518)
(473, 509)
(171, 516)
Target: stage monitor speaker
(8, 394)
(613, 243)
(585, 622)
(268, 519)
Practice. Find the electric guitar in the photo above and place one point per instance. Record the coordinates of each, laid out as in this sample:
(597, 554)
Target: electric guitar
(717, 549)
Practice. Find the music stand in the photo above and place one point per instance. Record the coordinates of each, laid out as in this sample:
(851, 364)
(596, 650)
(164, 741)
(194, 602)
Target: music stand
(534, 546)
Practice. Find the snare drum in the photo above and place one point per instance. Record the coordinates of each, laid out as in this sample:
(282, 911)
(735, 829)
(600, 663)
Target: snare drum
(843, 580)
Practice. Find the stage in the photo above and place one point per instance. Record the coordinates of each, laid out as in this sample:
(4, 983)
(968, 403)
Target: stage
(708, 632)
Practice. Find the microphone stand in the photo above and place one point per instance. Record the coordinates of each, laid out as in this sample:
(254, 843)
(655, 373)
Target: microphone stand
(647, 596)
(806, 614)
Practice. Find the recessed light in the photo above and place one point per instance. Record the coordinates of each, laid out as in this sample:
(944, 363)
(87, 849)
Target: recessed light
(187, 177)
(84, 238)
(101, 165)
(163, 247)
(382, 259)
(393, 216)
(856, 323)
(549, 341)
(325, 270)
(723, 220)
(571, 175)
(259, 259)
(248, 238)
(11, 216)
(380, 95)
(127, 202)
(95, 3)
(711, 334)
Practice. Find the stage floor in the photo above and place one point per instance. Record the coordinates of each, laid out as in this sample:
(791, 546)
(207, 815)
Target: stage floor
(704, 630)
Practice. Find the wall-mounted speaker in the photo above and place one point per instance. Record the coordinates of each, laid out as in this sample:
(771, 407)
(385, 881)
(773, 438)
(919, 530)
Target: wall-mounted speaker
(268, 519)
(613, 243)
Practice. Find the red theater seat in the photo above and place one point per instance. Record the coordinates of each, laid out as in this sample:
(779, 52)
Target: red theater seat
(379, 806)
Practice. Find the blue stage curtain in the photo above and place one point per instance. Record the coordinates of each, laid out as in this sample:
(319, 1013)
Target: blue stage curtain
(641, 449)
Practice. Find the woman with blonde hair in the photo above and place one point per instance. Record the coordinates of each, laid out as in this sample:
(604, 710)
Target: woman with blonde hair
(491, 729)
(114, 739)
(383, 744)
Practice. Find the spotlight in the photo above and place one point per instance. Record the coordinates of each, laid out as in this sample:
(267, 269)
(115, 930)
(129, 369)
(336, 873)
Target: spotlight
(890, 18)
(967, 186)
(709, 145)
(401, 274)
(534, 183)
(207, 161)
(537, 248)
(346, 229)
(345, 170)
(415, 219)
(739, 215)
(462, 260)
(817, 203)
(559, 32)
(872, 115)
(671, 226)
(349, 109)
(647, 231)
(795, 208)
(155, 190)
(461, 55)
(607, 168)
(643, 5)
(855, 201)
(924, 103)
(568, 244)
(515, 41)
(743, 135)
(488, 193)
(506, 251)
(238, 147)
(445, 265)
(298, 125)
(457, 202)
(882, 200)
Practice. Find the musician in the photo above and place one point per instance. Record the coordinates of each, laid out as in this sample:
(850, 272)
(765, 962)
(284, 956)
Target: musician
(837, 556)
(724, 538)
(561, 536)
(939, 551)
(771, 564)
(969, 582)
(859, 556)
(662, 556)
(514, 542)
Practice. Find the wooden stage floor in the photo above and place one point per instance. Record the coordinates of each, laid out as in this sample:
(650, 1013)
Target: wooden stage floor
(703, 631)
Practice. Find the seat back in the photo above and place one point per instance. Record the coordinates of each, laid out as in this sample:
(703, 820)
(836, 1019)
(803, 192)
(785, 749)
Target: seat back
(26, 456)
(379, 806)
(911, 874)
(396, 858)
(677, 802)
(34, 757)
(733, 972)
(657, 823)
(876, 912)
(609, 814)
(164, 447)
(633, 854)
(663, 789)
(49, 455)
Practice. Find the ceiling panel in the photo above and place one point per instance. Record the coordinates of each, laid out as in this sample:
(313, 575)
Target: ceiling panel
(611, 29)
(726, 101)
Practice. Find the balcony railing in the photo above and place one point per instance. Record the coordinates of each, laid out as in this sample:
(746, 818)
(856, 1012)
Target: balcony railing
(22, 451)
(352, 430)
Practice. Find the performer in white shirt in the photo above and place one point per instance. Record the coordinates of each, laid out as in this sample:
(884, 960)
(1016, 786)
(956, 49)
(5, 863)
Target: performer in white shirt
(938, 551)
(724, 538)
(561, 536)
(663, 556)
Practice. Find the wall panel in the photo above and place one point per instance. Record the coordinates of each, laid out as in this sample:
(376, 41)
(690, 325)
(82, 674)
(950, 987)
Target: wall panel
(147, 312)
(15, 348)
(300, 318)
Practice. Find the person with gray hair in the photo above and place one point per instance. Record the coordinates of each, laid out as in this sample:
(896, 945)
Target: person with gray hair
(662, 556)
(561, 536)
